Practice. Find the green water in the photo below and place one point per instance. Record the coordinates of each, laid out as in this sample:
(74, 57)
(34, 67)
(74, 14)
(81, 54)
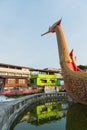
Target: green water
(54, 117)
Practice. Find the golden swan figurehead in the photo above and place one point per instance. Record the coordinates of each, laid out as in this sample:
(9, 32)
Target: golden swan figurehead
(75, 80)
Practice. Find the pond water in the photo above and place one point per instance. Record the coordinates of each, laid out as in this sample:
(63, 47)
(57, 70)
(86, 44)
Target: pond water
(53, 116)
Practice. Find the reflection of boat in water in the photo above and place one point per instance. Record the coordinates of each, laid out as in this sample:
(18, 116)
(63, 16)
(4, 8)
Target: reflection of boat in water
(74, 79)
(76, 117)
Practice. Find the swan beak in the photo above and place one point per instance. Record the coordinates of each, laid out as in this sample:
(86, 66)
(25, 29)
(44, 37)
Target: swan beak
(45, 33)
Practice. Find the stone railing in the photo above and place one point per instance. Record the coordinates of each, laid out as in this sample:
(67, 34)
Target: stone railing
(9, 111)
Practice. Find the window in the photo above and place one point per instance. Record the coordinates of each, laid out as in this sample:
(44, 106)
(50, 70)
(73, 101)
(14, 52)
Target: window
(44, 109)
(17, 74)
(2, 73)
(21, 81)
(11, 74)
(11, 81)
(54, 107)
(53, 80)
(44, 80)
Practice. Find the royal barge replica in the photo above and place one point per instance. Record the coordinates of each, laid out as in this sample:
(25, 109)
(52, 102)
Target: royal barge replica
(75, 80)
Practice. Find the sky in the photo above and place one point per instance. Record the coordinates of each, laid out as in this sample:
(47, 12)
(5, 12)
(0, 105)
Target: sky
(23, 21)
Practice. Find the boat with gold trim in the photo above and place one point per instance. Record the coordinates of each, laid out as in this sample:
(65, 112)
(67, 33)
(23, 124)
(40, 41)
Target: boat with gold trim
(75, 80)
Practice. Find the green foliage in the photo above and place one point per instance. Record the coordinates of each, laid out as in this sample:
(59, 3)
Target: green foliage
(83, 67)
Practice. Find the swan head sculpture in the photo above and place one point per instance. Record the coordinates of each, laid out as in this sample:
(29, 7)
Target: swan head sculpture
(52, 28)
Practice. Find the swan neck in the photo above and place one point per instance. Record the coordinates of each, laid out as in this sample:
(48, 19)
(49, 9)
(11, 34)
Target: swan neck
(62, 45)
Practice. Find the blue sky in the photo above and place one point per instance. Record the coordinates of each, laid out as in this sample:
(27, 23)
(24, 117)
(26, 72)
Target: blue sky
(23, 21)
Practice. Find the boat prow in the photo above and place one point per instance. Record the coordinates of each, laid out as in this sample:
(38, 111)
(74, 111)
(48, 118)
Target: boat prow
(75, 80)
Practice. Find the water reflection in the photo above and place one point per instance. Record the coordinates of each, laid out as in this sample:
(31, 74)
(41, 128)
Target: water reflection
(51, 116)
(45, 113)
(42, 114)
(76, 117)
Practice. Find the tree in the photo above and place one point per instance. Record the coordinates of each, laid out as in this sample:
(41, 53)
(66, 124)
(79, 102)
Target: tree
(83, 67)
